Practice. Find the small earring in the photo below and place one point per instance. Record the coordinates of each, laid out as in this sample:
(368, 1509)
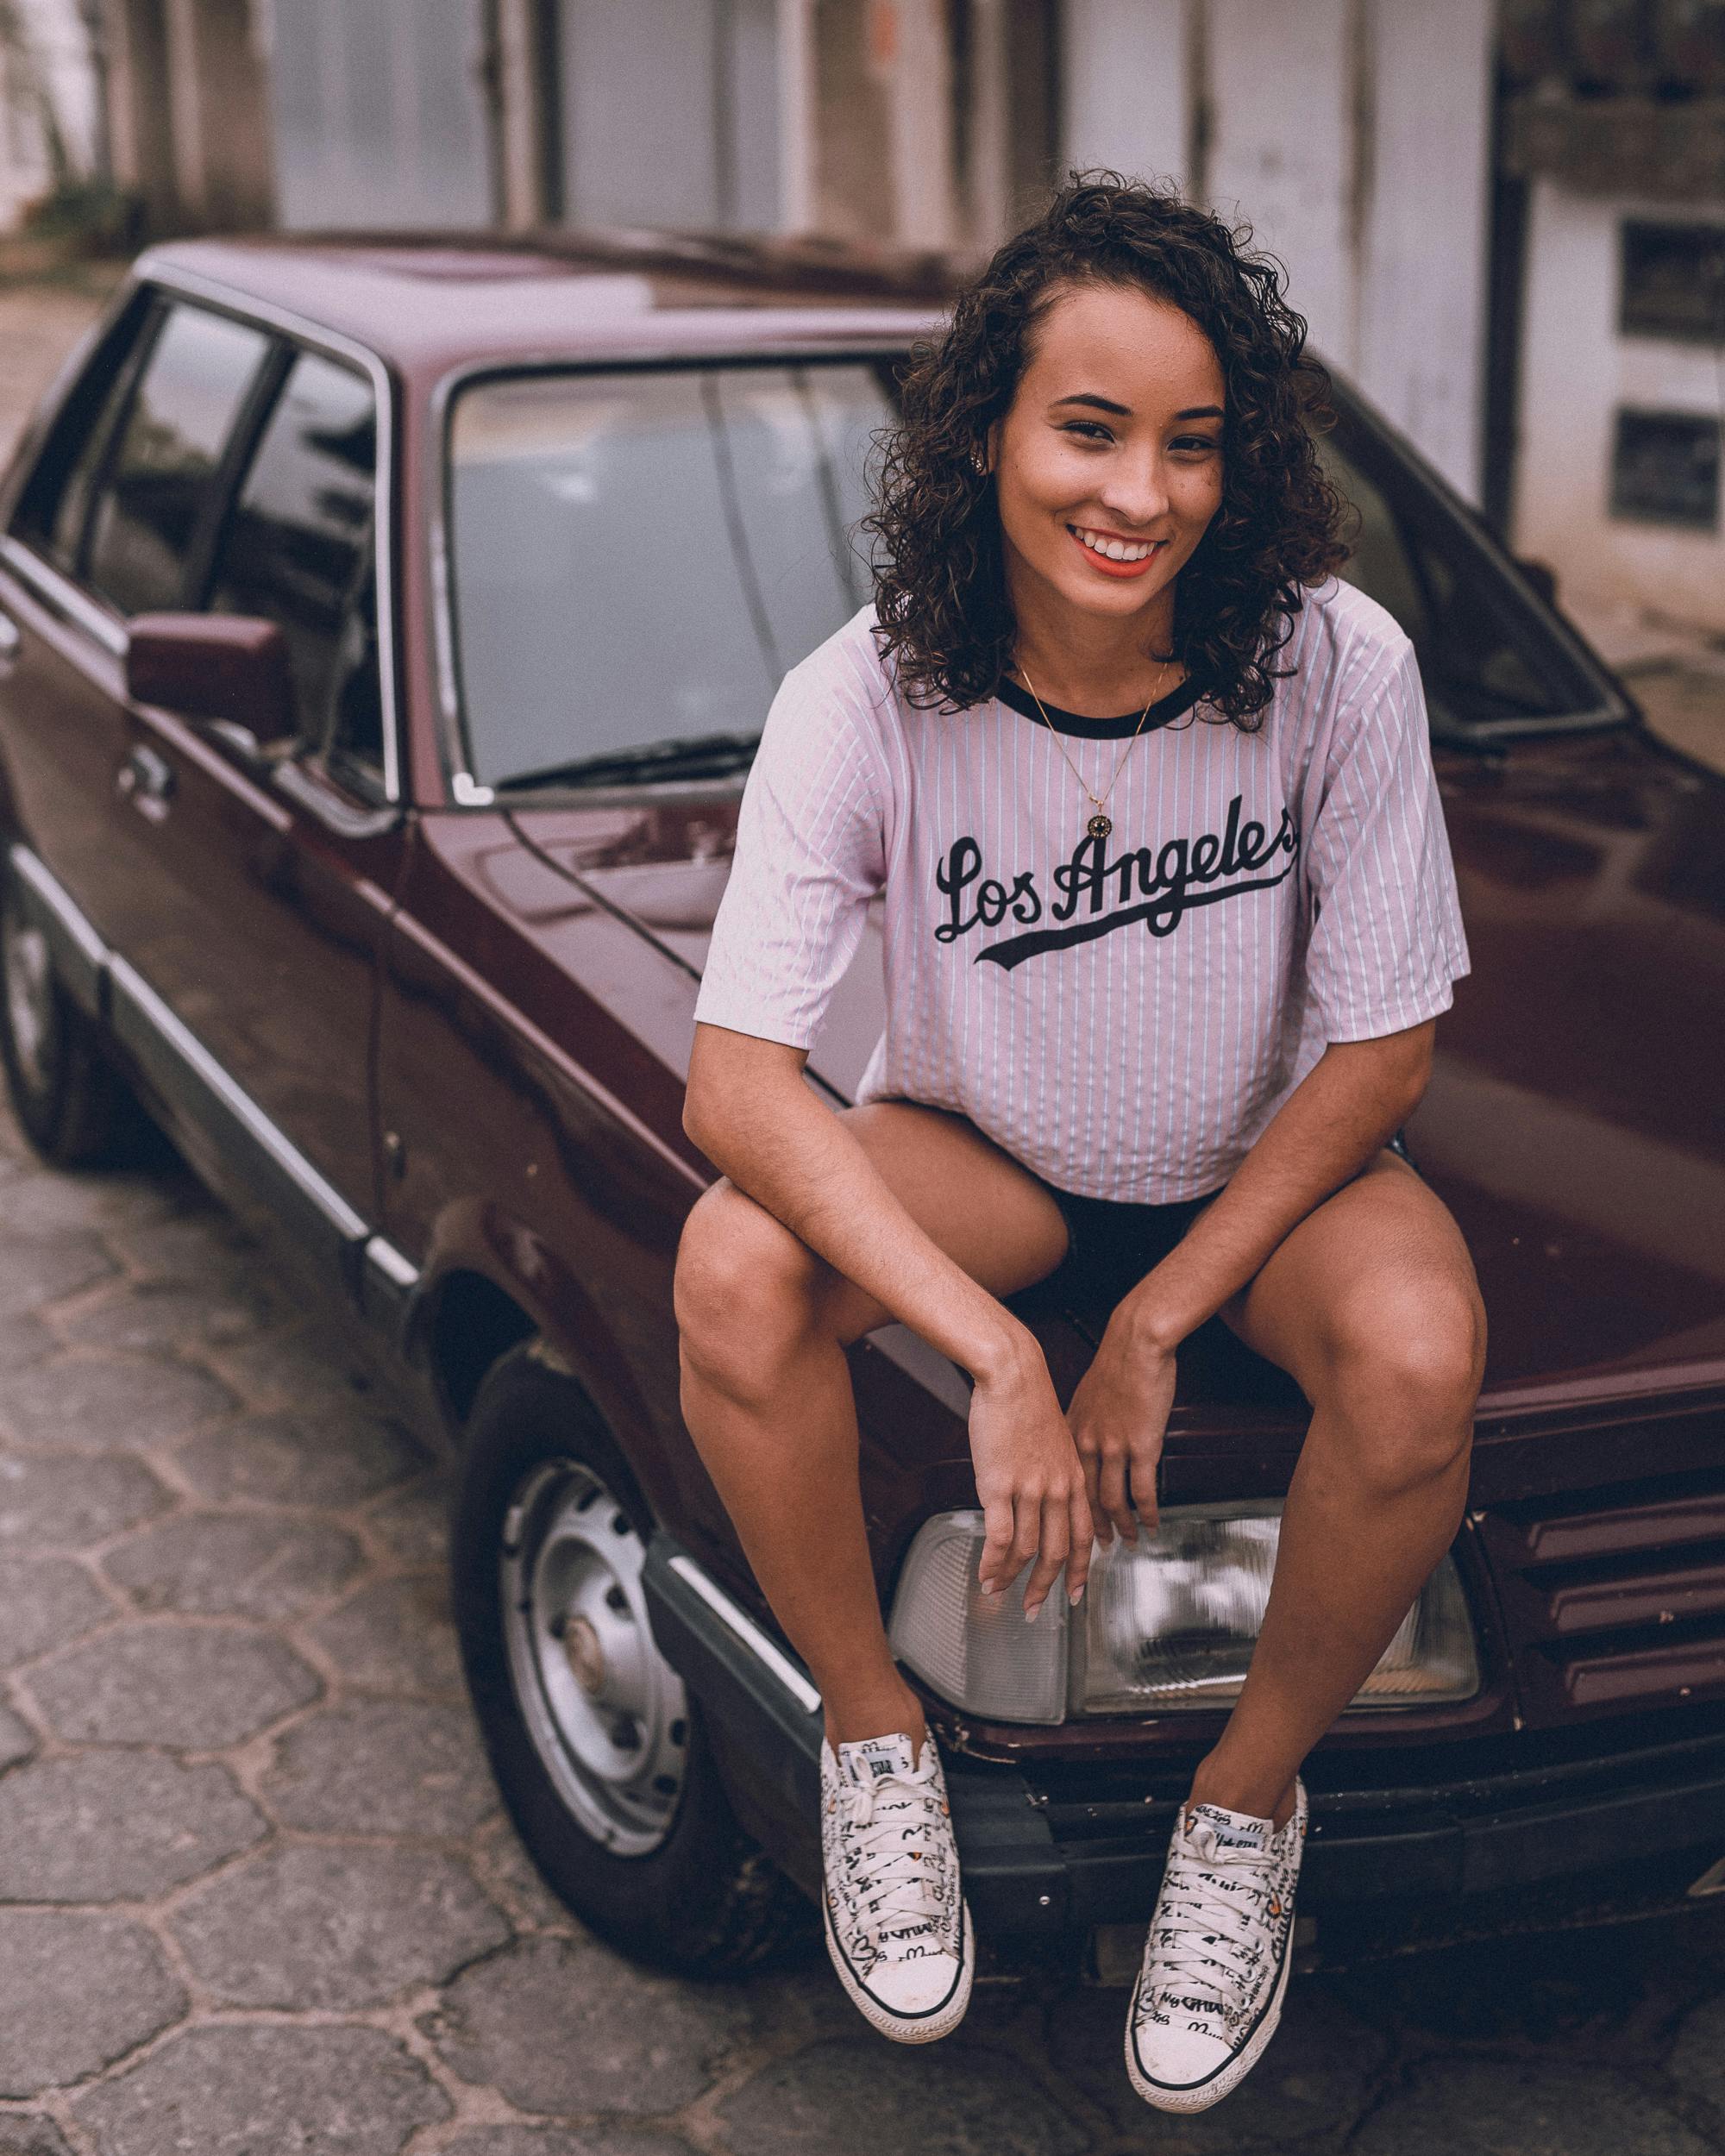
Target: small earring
(980, 461)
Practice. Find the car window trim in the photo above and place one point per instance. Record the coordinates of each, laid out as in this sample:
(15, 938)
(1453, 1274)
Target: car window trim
(462, 788)
(32, 444)
(235, 460)
(299, 330)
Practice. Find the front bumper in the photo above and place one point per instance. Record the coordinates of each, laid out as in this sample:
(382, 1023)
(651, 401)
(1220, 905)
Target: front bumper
(1047, 1854)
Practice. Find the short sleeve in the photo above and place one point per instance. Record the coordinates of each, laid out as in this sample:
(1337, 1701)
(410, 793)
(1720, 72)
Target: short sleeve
(1386, 941)
(810, 854)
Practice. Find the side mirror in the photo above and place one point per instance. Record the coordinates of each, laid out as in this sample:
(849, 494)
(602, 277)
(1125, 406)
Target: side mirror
(1542, 576)
(232, 668)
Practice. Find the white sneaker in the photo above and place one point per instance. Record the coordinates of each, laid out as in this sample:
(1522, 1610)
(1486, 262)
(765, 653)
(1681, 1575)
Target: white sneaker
(897, 1924)
(1215, 1964)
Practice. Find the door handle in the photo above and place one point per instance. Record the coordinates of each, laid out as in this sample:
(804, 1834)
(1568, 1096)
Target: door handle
(146, 780)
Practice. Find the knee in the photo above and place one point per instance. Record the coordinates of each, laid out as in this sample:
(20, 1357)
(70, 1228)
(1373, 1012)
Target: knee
(1402, 1368)
(744, 1291)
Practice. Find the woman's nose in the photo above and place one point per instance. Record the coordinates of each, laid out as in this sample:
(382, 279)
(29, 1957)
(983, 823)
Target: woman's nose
(1136, 490)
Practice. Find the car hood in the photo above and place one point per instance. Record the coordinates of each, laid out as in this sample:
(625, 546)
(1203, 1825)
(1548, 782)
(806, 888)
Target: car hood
(1575, 1122)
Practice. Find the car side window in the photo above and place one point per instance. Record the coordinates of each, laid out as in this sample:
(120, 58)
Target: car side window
(297, 549)
(158, 481)
(55, 500)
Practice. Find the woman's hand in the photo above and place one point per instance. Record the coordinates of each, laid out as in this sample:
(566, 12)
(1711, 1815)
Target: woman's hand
(1119, 1417)
(1030, 1481)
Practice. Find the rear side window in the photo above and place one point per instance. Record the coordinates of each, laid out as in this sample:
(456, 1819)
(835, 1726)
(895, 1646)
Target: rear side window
(157, 484)
(298, 550)
(56, 498)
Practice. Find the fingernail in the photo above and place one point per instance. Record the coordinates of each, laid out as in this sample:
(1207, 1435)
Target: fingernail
(1030, 1615)
(1075, 1596)
(989, 1588)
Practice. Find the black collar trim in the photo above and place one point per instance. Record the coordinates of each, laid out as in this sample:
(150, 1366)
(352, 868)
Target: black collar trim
(1164, 709)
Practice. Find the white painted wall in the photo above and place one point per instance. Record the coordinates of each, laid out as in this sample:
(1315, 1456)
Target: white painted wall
(1354, 137)
(1575, 371)
(58, 58)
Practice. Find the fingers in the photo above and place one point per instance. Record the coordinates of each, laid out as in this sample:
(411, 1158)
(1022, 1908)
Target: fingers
(1044, 1521)
(998, 1568)
(1144, 1460)
(1083, 1535)
(1111, 1485)
(1090, 1461)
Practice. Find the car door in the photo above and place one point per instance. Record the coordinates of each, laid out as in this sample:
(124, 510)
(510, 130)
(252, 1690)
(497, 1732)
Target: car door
(142, 430)
(264, 870)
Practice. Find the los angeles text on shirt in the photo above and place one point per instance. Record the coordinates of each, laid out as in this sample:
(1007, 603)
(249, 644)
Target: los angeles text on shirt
(1160, 878)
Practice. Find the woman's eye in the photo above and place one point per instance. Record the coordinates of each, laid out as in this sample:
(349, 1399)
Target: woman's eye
(1091, 430)
(1198, 441)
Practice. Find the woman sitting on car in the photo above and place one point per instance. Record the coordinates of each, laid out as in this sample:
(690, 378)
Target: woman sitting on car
(1168, 915)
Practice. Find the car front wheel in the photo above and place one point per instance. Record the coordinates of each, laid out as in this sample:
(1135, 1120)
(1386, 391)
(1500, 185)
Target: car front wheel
(599, 1752)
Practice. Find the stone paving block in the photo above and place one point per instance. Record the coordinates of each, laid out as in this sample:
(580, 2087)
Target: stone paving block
(856, 2096)
(94, 1403)
(556, 2140)
(36, 1269)
(196, 1687)
(235, 1564)
(382, 1767)
(117, 1826)
(265, 2090)
(57, 1198)
(1521, 2107)
(43, 1602)
(1315, 2076)
(311, 1364)
(313, 1926)
(22, 2136)
(76, 1992)
(23, 1339)
(561, 2026)
(1697, 2060)
(317, 1455)
(510, 1875)
(413, 1525)
(395, 1636)
(201, 1246)
(155, 1315)
(16, 1741)
(74, 1500)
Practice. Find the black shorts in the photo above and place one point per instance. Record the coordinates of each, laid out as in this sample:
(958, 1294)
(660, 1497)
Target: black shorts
(1111, 1245)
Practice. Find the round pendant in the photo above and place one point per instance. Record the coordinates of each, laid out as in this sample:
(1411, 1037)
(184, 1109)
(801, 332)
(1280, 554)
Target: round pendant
(1099, 825)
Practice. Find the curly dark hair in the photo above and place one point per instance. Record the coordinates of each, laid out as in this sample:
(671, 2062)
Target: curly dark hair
(940, 590)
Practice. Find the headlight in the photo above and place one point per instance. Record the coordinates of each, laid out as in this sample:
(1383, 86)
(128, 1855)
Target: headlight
(1165, 1626)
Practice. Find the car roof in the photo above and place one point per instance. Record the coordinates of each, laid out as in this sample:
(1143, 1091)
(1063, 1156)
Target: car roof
(426, 302)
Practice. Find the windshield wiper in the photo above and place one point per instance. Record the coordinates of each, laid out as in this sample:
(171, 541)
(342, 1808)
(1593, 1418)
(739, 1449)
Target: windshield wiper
(690, 756)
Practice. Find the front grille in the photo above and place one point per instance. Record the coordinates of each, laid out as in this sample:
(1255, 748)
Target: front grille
(1614, 1598)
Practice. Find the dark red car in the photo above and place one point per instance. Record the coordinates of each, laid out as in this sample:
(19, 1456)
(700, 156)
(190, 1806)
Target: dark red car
(384, 632)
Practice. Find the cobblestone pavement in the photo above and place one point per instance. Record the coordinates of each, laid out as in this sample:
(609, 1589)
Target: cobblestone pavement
(257, 1897)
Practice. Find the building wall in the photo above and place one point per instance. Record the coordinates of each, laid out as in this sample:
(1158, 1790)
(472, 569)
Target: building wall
(52, 59)
(1578, 372)
(1354, 136)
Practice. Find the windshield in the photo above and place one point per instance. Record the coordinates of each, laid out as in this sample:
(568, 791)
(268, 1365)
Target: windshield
(639, 557)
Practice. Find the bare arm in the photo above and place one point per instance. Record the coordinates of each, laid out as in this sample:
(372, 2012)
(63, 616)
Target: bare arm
(750, 1112)
(1353, 1098)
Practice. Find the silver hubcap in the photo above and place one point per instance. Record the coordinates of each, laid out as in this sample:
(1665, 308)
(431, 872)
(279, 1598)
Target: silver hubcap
(605, 1711)
(30, 995)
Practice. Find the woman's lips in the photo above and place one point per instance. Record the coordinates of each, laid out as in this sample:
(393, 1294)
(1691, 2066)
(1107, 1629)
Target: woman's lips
(1101, 562)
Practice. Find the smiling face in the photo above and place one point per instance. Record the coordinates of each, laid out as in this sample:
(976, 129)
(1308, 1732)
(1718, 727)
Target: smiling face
(1108, 465)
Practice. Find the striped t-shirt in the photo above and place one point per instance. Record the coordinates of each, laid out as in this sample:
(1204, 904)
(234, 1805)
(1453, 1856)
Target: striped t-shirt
(1124, 1014)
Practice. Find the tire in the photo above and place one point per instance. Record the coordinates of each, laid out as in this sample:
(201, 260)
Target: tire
(71, 1104)
(636, 1836)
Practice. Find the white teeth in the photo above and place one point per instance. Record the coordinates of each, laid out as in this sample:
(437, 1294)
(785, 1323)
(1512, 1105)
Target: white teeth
(1113, 549)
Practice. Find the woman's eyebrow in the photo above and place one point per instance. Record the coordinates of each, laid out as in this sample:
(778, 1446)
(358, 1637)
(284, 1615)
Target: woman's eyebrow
(1106, 404)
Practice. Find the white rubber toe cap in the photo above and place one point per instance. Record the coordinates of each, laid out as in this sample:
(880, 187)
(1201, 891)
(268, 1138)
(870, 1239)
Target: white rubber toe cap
(914, 1987)
(1176, 2058)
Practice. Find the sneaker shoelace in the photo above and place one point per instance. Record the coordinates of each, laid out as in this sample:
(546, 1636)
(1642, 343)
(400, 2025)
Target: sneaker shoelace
(1218, 1928)
(897, 1874)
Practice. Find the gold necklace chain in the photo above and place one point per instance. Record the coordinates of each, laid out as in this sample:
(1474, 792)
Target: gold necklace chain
(1100, 824)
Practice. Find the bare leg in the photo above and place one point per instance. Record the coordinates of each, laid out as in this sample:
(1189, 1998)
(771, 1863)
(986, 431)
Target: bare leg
(767, 1393)
(1371, 1304)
